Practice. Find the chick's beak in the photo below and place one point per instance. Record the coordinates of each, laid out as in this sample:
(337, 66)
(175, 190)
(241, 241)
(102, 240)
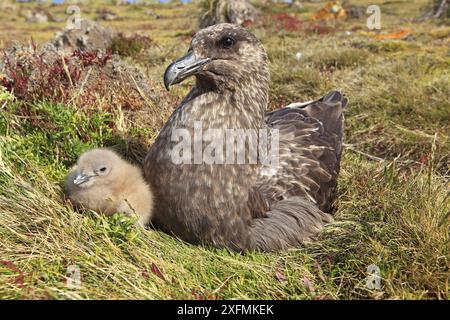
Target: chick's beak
(183, 68)
(81, 178)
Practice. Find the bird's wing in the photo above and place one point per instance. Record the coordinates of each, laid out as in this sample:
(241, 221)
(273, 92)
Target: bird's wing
(310, 146)
(300, 187)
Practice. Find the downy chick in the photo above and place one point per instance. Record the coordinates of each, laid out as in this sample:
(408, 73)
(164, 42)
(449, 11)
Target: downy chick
(104, 182)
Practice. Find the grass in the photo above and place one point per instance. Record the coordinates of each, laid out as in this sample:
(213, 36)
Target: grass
(392, 212)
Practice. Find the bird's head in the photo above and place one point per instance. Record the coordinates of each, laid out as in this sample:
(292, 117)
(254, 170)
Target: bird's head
(99, 167)
(223, 56)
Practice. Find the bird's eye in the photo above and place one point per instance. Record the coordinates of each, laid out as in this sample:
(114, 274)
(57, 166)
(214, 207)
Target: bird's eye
(228, 42)
(102, 170)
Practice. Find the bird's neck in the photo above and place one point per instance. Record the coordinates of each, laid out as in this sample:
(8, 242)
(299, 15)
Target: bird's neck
(239, 108)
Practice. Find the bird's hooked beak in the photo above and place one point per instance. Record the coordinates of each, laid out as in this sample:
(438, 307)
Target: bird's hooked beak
(81, 178)
(183, 68)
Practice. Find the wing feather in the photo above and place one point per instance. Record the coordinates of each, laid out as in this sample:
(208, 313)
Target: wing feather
(310, 149)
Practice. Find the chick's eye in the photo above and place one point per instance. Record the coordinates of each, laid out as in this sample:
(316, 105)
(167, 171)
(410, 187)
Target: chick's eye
(102, 169)
(228, 42)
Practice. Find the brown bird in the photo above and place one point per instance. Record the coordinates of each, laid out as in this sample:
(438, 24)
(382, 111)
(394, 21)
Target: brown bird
(102, 181)
(243, 205)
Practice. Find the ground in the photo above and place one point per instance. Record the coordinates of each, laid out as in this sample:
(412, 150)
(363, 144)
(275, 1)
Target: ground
(393, 203)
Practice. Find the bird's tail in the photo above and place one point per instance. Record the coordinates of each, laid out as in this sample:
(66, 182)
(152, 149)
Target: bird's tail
(328, 110)
(289, 223)
(335, 97)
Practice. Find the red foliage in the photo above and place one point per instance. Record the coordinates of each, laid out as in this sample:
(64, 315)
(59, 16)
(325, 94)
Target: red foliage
(280, 277)
(43, 77)
(89, 58)
(20, 279)
(155, 270)
(198, 295)
(18, 77)
(282, 21)
(248, 23)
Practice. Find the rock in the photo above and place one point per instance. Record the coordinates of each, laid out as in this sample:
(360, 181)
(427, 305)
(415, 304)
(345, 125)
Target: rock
(152, 13)
(440, 9)
(231, 11)
(90, 36)
(40, 15)
(356, 12)
(297, 5)
(37, 17)
(107, 15)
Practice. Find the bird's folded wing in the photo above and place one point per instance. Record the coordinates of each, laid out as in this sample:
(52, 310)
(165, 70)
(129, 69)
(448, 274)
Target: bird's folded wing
(300, 187)
(310, 146)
